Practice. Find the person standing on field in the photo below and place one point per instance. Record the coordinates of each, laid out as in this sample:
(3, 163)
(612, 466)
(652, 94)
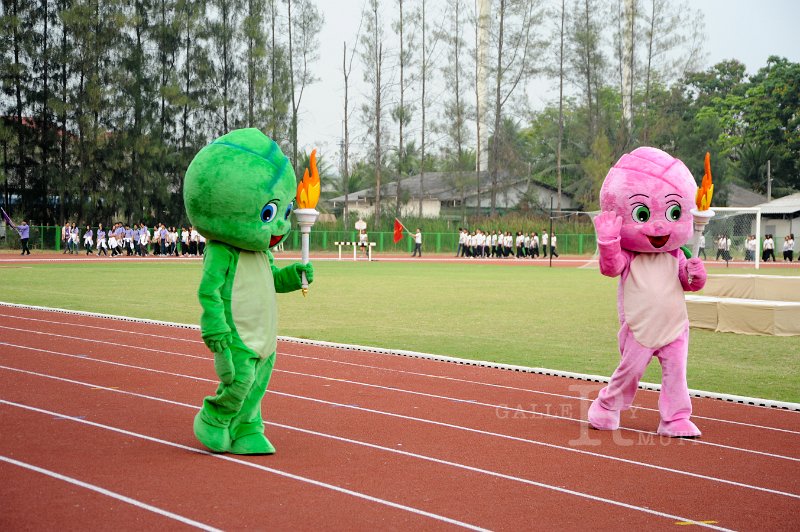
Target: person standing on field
(417, 243)
(24, 231)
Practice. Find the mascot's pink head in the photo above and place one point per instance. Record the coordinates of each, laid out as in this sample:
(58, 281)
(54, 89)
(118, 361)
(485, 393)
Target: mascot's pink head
(653, 193)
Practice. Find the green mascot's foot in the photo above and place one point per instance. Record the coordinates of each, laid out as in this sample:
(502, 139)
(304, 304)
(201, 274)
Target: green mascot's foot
(252, 444)
(215, 438)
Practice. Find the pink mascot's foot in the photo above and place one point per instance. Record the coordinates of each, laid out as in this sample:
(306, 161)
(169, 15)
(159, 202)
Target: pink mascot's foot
(602, 418)
(680, 428)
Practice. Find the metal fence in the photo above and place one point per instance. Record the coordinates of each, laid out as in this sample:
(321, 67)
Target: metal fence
(44, 237)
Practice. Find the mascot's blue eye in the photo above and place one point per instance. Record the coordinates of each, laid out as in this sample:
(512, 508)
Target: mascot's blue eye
(641, 214)
(268, 212)
(674, 213)
(289, 210)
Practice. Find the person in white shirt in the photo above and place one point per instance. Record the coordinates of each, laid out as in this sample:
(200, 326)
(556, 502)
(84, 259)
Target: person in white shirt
(702, 246)
(193, 241)
(460, 248)
(482, 250)
(144, 239)
(534, 245)
(769, 248)
(788, 247)
(518, 242)
(553, 246)
(417, 243)
(184, 241)
(544, 244)
(201, 244)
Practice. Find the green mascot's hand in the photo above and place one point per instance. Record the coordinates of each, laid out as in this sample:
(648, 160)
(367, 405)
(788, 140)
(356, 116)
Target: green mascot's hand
(308, 268)
(223, 361)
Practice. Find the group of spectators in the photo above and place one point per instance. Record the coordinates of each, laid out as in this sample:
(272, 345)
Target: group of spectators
(723, 245)
(502, 244)
(137, 240)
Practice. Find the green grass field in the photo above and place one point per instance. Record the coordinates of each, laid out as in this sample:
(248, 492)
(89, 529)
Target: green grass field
(555, 318)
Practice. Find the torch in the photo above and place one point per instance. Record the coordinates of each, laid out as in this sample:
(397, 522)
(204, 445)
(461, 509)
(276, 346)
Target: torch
(307, 197)
(703, 213)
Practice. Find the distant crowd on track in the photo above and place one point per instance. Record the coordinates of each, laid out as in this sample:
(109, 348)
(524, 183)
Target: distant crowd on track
(502, 244)
(136, 240)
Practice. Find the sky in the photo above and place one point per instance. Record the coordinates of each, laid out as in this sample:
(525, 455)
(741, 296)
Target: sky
(747, 30)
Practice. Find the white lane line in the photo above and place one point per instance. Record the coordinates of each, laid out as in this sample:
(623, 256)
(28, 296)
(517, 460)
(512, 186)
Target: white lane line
(523, 411)
(108, 493)
(355, 442)
(645, 386)
(413, 392)
(518, 389)
(272, 470)
(454, 379)
(426, 421)
(116, 344)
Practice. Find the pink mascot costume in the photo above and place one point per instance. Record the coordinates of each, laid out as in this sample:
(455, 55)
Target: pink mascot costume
(645, 202)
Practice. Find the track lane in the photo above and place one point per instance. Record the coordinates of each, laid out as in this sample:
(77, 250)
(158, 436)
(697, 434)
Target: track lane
(426, 438)
(401, 476)
(198, 348)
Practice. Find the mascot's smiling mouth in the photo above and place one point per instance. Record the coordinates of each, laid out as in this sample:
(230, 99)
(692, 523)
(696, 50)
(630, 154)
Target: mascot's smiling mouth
(273, 241)
(658, 241)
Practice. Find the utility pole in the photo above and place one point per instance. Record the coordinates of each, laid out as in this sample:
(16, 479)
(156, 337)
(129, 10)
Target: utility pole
(769, 181)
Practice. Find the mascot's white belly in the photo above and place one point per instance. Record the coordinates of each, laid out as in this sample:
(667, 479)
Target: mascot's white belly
(653, 301)
(253, 304)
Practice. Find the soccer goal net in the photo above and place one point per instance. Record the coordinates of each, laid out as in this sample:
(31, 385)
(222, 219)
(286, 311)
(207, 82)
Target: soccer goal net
(733, 235)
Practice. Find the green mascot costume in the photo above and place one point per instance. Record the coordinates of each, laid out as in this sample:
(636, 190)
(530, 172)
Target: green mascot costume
(238, 193)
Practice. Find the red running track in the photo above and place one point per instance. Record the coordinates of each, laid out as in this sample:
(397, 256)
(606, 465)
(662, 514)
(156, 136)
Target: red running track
(97, 434)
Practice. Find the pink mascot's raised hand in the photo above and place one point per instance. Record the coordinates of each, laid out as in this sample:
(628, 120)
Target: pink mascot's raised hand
(645, 200)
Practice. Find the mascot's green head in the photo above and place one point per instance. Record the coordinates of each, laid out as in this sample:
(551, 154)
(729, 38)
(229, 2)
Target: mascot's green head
(239, 190)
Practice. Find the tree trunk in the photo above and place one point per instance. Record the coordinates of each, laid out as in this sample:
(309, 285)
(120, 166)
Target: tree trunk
(423, 105)
(496, 138)
(560, 102)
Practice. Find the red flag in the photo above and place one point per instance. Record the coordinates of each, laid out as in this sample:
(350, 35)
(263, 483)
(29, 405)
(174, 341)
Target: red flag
(7, 219)
(398, 231)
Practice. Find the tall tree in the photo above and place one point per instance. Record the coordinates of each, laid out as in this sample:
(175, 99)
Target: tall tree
(255, 54)
(561, 35)
(515, 49)
(402, 112)
(455, 108)
(224, 30)
(667, 28)
(280, 77)
(482, 26)
(372, 56)
(587, 61)
(304, 26)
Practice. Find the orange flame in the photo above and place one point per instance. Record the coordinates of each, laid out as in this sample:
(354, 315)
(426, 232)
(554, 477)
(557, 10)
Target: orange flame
(706, 190)
(308, 189)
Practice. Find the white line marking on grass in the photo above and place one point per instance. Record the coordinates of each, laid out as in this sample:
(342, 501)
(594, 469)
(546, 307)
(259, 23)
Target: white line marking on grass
(411, 392)
(108, 493)
(369, 445)
(420, 420)
(334, 361)
(745, 401)
(272, 470)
